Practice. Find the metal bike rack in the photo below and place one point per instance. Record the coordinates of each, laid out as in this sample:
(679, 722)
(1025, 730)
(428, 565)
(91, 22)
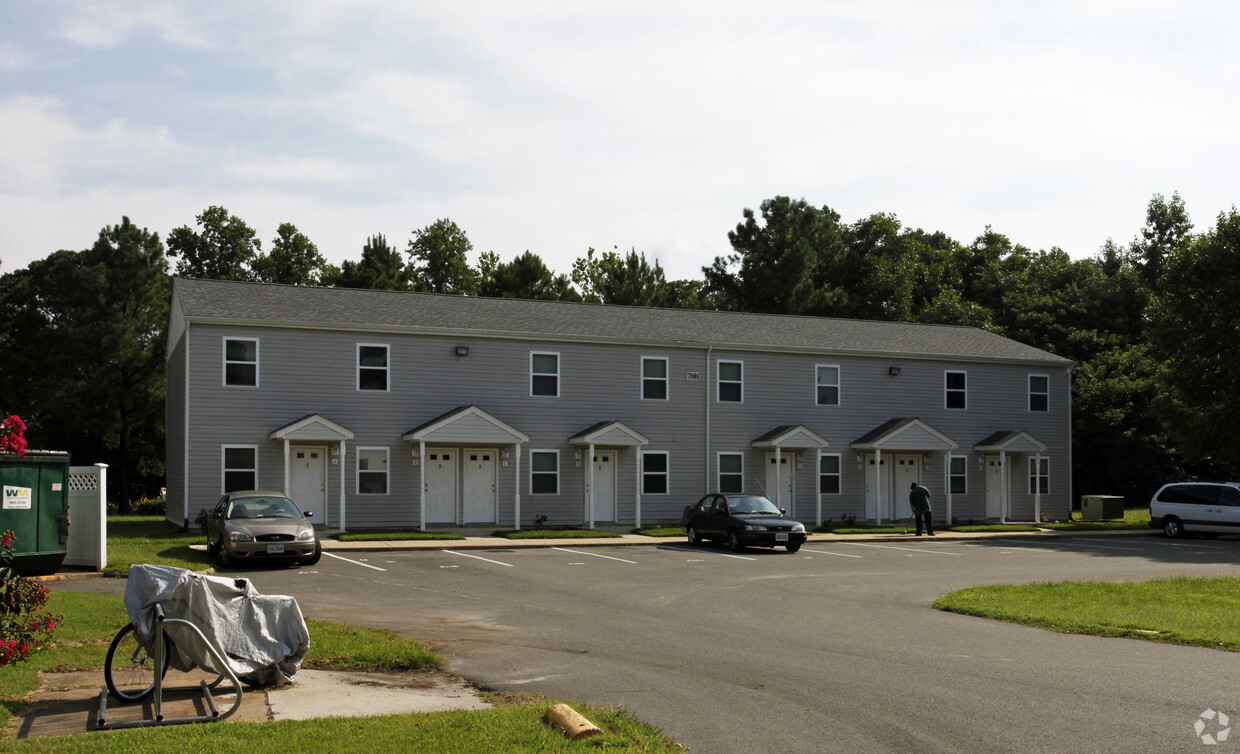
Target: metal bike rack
(160, 653)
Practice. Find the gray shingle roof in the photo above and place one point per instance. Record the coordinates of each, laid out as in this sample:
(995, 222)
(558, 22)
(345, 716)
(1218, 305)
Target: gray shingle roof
(294, 306)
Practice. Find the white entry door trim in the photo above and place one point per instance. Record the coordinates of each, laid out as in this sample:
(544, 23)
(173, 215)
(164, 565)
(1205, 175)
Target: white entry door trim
(308, 480)
(439, 482)
(479, 484)
(604, 485)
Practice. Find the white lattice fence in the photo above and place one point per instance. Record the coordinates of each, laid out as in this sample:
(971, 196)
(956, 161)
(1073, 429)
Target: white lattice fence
(88, 517)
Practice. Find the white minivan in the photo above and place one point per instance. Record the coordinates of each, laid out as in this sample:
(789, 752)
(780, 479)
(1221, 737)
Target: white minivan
(1209, 507)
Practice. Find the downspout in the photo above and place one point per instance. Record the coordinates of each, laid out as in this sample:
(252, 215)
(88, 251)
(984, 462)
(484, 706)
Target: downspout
(1037, 489)
(818, 483)
(878, 486)
(286, 471)
(1005, 481)
(516, 498)
(637, 486)
(343, 478)
(706, 465)
(590, 487)
(185, 433)
(422, 485)
(947, 477)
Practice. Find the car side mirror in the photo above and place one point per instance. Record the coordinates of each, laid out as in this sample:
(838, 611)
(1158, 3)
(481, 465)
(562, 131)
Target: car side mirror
(783, 511)
(217, 514)
(308, 514)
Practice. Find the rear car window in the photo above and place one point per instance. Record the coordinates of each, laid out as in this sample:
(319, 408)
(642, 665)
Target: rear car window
(1191, 494)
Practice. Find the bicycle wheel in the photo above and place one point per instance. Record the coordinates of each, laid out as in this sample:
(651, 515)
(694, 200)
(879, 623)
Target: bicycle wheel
(129, 671)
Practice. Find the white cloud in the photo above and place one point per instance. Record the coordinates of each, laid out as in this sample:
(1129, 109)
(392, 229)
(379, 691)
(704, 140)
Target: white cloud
(111, 24)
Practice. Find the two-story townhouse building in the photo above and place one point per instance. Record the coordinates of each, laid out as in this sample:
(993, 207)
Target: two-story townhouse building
(384, 409)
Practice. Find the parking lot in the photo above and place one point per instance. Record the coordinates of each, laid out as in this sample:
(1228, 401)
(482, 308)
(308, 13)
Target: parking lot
(833, 648)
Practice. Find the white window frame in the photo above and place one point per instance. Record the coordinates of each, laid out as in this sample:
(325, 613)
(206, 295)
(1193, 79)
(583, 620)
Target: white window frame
(839, 473)
(666, 473)
(559, 367)
(719, 381)
(719, 472)
(224, 469)
(1036, 474)
(964, 475)
(666, 379)
(387, 367)
(228, 361)
(1046, 394)
(386, 471)
(818, 384)
(556, 473)
(948, 391)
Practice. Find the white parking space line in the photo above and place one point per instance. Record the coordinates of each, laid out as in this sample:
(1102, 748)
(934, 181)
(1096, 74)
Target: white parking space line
(594, 555)
(828, 552)
(1024, 548)
(1107, 547)
(893, 547)
(354, 562)
(1050, 546)
(705, 552)
(1161, 543)
(477, 557)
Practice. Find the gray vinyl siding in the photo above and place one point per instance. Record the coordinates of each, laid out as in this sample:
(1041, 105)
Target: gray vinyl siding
(311, 368)
(174, 423)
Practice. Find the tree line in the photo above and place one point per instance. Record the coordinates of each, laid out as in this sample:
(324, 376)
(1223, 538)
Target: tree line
(1149, 323)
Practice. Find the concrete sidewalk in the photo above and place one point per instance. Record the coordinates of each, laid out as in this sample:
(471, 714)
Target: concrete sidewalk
(487, 541)
(68, 703)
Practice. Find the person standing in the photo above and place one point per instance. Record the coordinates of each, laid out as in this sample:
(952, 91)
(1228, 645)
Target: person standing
(919, 500)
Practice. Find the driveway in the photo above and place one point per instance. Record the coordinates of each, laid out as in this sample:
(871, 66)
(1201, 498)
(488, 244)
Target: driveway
(834, 648)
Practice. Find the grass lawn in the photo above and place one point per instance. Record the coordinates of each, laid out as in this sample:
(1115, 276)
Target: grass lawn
(151, 539)
(515, 724)
(556, 534)
(394, 536)
(1185, 610)
(665, 531)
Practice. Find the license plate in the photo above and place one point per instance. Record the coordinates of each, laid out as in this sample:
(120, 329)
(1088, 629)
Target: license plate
(277, 549)
(781, 537)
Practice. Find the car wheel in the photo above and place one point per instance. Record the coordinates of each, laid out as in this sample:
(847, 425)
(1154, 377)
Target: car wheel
(222, 557)
(734, 541)
(694, 539)
(1173, 528)
(318, 553)
(793, 546)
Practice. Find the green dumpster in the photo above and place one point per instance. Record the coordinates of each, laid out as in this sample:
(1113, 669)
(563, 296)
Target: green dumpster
(36, 508)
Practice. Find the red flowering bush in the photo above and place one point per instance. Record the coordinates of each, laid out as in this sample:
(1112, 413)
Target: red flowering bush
(11, 435)
(24, 625)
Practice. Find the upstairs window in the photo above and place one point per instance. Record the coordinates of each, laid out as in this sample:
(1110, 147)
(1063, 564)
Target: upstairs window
(955, 393)
(1039, 392)
(545, 374)
(241, 362)
(731, 382)
(828, 384)
(654, 378)
(372, 366)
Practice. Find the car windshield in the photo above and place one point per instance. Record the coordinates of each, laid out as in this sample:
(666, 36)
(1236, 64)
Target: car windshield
(752, 504)
(263, 507)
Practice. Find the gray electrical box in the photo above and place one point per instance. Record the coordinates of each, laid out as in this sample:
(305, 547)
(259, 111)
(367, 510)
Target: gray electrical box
(1101, 507)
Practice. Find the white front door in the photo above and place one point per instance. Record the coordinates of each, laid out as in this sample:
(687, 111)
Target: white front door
(995, 478)
(905, 471)
(779, 487)
(440, 480)
(605, 485)
(876, 481)
(479, 486)
(308, 481)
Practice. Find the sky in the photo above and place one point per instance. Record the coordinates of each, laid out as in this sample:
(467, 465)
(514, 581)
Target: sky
(554, 126)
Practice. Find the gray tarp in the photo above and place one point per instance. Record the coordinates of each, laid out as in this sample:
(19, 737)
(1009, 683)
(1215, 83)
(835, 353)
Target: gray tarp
(263, 636)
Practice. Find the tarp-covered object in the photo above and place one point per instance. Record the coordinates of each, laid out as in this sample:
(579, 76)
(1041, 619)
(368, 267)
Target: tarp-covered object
(263, 636)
